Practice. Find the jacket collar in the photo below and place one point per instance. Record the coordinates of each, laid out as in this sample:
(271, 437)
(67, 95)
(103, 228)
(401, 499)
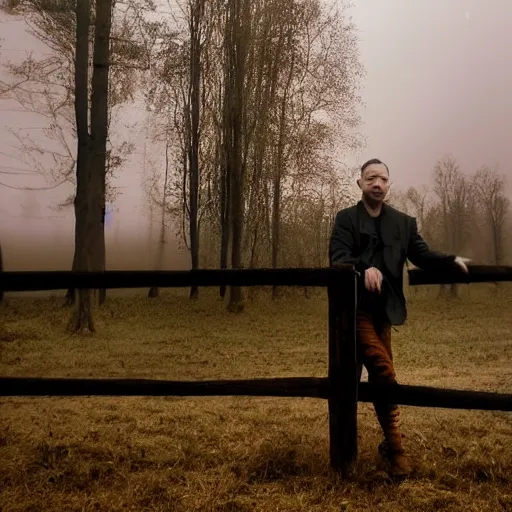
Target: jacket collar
(362, 209)
(389, 228)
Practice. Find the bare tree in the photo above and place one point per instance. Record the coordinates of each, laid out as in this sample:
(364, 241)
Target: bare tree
(163, 206)
(238, 25)
(91, 161)
(196, 22)
(455, 197)
(490, 194)
(46, 87)
(278, 91)
(83, 317)
(180, 94)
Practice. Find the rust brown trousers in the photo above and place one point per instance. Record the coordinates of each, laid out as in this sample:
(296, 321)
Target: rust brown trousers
(374, 351)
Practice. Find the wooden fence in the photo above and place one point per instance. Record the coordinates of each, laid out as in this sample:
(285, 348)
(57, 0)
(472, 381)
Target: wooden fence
(340, 388)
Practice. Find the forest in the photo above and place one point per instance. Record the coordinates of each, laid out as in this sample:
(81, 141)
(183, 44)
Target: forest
(252, 104)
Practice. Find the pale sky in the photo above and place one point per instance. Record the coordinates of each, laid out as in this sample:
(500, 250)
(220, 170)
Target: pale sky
(439, 80)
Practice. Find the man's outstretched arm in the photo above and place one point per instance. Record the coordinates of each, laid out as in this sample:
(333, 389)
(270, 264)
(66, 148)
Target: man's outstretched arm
(420, 254)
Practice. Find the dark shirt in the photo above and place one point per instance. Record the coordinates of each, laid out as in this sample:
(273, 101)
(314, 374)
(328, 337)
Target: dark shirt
(373, 252)
(373, 256)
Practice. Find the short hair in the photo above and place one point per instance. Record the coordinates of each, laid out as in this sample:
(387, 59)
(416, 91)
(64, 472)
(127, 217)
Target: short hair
(373, 161)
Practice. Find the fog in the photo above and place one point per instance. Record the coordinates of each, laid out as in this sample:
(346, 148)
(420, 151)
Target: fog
(438, 82)
(34, 232)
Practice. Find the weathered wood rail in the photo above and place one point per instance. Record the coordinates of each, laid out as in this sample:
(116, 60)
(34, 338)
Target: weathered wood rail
(477, 274)
(291, 387)
(340, 388)
(62, 280)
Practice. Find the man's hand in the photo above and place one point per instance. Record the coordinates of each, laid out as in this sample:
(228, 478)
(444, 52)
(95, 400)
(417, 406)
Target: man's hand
(462, 263)
(373, 279)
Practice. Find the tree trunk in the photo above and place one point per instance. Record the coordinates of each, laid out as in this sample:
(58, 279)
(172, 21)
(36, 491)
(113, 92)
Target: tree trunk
(154, 291)
(82, 316)
(102, 292)
(70, 298)
(225, 169)
(92, 150)
(496, 241)
(276, 214)
(99, 129)
(278, 175)
(224, 239)
(264, 92)
(196, 15)
(238, 11)
(83, 320)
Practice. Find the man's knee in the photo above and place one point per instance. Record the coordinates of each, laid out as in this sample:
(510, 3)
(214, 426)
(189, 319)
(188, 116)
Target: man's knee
(381, 371)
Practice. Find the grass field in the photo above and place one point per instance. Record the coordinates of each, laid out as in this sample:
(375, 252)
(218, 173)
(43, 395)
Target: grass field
(238, 454)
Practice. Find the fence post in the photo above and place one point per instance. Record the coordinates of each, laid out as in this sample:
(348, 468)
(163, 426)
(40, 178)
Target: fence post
(343, 378)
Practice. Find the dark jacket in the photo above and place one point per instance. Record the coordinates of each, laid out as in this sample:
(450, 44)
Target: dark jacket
(401, 241)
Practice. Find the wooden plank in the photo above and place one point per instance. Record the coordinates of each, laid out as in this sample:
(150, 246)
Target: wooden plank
(425, 396)
(62, 280)
(307, 387)
(343, 382)
(477, 274)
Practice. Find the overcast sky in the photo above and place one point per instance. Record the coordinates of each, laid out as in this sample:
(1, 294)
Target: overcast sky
(439, 80)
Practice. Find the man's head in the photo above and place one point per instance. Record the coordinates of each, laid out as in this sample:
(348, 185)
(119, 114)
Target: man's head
(374, 181)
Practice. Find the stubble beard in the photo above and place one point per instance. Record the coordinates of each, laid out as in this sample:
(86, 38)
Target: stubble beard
(372, 201)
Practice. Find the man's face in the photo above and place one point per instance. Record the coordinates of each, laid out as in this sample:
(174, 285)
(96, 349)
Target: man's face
(374, 183)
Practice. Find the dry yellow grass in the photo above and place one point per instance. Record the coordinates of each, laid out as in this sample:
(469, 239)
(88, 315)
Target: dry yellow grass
(237, 454)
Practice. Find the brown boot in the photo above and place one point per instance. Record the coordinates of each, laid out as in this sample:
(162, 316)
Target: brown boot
(391, 449)
(399, 466)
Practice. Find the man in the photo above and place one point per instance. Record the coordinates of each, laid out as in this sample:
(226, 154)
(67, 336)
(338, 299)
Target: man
(377, 239)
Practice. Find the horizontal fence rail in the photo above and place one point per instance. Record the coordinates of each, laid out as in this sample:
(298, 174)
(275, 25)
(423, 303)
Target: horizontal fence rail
(21, 281)
(476, 274)
(305, 387)
(298, 387)
(426, 396)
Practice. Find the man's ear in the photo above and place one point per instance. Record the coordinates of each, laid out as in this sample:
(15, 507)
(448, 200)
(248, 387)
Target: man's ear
(358, 183)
